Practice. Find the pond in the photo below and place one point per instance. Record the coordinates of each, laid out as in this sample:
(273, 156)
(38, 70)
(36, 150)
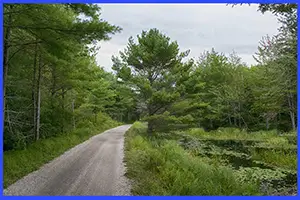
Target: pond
(237, 154)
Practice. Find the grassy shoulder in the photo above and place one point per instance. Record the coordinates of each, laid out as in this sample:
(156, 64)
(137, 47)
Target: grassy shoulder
(18, 163)
(162, 167)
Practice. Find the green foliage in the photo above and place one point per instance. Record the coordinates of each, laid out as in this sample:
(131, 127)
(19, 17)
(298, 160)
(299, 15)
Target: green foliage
(278, 8)
(226, 114)
(235, 134)
(277, 157)
(278, 142)
(52, 83)
(166, 122)
(216, 90)
(159, 165)
(272, 182)
(160, 168)
(265, 146)
(258, 175)
(291, 137)
(151, 66)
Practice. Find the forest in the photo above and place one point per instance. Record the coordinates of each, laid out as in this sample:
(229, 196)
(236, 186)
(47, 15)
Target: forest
(211, 119)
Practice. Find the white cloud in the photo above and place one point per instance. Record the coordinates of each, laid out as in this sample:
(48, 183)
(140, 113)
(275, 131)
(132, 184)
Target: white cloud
(197, 27)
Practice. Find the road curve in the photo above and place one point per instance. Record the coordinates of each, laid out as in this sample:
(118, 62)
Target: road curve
(94, 168)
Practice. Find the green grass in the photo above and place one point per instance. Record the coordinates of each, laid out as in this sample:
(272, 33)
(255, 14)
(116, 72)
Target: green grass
(162, 167)
(269, 139)
(275, 150)
(278, 158)
(234, 134)
(18, 163)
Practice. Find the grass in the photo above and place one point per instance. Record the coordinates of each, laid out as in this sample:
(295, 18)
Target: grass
(272, 148)
(278, 158)
(18, 163)
(162, 167)
(196, 162)
(237, 134)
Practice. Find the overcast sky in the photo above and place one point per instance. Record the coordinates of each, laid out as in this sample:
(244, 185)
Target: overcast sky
(197, 27)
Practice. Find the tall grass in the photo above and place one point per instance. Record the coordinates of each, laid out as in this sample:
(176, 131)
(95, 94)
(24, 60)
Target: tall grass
(279, 158)
(275, 147)
(164, 168)
(232, 134)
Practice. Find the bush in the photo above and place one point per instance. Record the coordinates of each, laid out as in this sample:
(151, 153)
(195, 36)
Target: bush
(166, 122)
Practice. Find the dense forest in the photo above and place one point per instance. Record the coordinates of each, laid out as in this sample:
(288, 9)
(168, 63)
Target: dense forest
(53, 86)
(52, 82)
(215, 90)
(215, 126)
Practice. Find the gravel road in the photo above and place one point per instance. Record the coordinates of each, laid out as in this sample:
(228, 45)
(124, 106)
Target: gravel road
(94, 167)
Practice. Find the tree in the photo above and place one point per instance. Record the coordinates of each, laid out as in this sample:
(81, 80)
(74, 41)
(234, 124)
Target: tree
(278, 8)
(275, 8)
(149, 67)
(278, 55)
(46, 54)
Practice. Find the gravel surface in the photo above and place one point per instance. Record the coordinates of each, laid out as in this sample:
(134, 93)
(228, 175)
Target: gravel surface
(94, 167)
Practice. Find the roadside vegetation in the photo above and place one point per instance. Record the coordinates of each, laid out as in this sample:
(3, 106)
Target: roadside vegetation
(55, 95)
(213, 126)
(206, 126)
(185, 163)
(18, 163)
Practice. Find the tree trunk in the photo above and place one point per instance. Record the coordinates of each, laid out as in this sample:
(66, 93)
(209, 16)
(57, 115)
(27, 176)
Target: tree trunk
(33, 90)
(150, 122)
(38, 110)
(234, 114)
(246, 126)
(63, 109)
(7, 34)
(38, 115)
(234, 119)
(229, 120)
(240, 116)
(292, 114)
(267, 123)
(53, 74)
(73, 117)
(129, 116)
(276, 122)
(53, 91)
(150, 128)
(9, 122)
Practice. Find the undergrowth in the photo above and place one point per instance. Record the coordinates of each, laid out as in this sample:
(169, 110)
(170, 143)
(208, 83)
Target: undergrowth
(162, 167)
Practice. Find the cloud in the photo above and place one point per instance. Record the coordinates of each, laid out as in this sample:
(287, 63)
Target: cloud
(197, 27)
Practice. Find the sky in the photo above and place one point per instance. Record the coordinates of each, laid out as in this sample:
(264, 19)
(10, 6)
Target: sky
(196, 27)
